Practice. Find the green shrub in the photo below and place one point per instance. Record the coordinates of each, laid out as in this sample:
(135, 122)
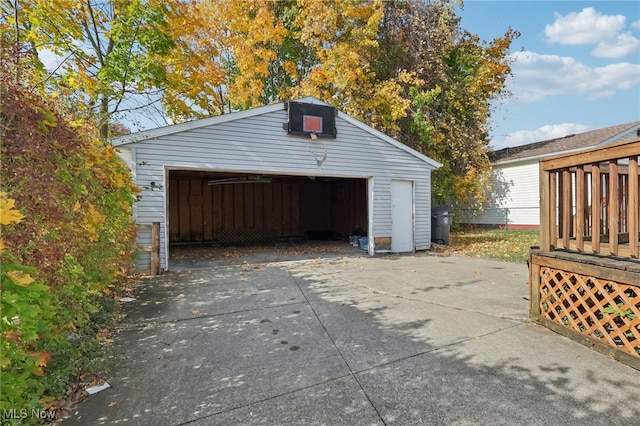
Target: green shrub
(67, 242)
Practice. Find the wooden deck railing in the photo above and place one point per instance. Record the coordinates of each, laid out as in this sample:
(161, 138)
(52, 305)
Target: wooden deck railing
(589, 201)
(585, 277)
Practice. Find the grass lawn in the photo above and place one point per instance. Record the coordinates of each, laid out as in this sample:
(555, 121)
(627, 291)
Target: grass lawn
(511, 246)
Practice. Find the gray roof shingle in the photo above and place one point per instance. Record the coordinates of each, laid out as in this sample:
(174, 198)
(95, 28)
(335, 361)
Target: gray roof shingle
(558, 145)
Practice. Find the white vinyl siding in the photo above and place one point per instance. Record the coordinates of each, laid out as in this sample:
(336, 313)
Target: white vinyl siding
(515, 193)
(523, 198)
(514, 197)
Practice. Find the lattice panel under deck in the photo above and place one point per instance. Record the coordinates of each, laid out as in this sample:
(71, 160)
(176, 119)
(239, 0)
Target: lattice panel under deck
(601, 309)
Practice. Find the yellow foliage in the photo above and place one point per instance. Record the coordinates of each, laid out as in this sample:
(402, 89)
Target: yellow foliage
(195, 73)
(48, 118)
(98, 157)
(470, 186)
(291, 69)
(20, 278)
(8, 213)
(235, 54)
(92, 222)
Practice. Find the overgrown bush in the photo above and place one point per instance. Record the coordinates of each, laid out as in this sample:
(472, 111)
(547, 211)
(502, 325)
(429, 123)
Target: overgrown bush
(67, 241)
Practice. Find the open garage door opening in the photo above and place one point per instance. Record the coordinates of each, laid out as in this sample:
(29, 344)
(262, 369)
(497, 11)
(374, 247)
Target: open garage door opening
(228, 209)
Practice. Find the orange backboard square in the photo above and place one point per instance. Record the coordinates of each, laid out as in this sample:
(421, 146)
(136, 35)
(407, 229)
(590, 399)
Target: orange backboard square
(312, 123)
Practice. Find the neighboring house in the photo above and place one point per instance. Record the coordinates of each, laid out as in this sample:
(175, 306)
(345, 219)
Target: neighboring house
(515, 184)
(283, 171)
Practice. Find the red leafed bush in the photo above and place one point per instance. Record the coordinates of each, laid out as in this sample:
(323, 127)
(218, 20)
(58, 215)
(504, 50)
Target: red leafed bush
(65, 251)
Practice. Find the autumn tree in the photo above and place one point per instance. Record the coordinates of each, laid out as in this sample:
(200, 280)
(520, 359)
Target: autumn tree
(262, 52)
(228, 55)
(196, 66)
(344, 35)
(457, 77)
(407, 68)
(108, 50)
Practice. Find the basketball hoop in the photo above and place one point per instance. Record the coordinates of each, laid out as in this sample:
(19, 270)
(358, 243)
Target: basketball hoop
(317, 148)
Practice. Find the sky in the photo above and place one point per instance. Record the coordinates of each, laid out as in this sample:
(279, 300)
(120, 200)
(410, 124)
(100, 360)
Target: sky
(576, 66)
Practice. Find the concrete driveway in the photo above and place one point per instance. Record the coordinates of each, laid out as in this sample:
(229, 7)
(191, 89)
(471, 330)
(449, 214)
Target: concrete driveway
(405, 340)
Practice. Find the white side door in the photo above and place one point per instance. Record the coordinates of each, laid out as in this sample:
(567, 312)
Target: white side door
(402, 216)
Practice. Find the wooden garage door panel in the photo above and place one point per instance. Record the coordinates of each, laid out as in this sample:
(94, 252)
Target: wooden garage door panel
(200, 212)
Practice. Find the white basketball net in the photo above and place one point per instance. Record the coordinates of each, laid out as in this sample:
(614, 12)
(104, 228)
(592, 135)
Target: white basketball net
(317, 148)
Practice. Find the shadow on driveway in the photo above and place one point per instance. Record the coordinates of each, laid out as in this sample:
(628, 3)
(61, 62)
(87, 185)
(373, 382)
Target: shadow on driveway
(414, 339)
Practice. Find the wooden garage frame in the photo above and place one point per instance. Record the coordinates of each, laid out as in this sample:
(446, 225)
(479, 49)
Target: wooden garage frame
(228, 208)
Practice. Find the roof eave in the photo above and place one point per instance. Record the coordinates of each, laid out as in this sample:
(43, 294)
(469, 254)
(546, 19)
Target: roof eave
(204, 122)
(605, 141)
(537, 157)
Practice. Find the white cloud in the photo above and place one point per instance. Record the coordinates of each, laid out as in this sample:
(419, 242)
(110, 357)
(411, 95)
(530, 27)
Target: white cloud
(50, 60)
(591, 27)
(539, 76)
(635, 25)
(622, 45)
(585, 27)
(550, 131)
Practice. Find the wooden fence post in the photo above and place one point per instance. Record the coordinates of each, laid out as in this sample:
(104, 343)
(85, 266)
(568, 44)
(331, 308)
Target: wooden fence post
(155, 248)
(534, 288)
(545, 210)
(634, 205)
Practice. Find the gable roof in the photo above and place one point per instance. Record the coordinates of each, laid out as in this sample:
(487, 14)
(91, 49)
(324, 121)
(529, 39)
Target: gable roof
(239, 115)
(575, 142)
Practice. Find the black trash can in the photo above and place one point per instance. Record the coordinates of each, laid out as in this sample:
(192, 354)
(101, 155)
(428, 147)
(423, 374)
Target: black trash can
(440, 224)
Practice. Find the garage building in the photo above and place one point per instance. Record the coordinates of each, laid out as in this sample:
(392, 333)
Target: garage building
(287, 171)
